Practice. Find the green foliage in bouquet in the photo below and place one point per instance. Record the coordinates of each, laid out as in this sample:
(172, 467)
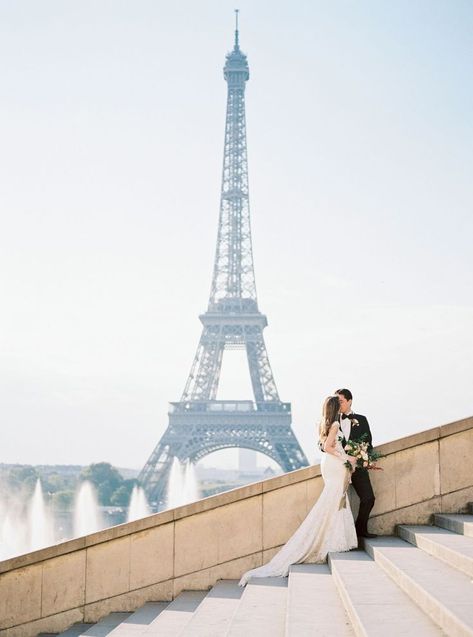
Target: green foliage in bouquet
(366, 458)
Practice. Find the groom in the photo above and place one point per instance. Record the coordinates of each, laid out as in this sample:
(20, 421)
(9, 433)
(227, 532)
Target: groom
(353, 426)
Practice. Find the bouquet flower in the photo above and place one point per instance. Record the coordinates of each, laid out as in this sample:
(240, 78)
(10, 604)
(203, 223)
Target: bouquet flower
(365, 457)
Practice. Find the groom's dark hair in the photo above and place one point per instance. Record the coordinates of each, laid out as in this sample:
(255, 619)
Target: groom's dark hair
(346, 393)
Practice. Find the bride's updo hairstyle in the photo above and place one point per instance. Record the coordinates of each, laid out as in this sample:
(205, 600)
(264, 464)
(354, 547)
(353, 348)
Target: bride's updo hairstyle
(329, 416)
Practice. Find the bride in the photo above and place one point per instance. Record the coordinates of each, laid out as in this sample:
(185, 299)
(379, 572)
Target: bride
(329, 525)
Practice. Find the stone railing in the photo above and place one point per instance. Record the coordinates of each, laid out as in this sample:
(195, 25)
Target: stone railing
(220, 537)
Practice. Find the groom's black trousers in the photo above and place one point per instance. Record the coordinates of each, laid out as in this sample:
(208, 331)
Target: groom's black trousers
(362, 484)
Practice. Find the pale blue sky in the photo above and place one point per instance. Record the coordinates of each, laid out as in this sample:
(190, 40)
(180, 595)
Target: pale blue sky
(360, 136)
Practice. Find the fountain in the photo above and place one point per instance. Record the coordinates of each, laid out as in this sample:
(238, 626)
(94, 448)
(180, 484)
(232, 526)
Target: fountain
(191, 486)
(175, 485)
(87, 518)
(28, 526)
(138, 507)
(39, 524)
(25, 527)
(182, 485)
(12, 538)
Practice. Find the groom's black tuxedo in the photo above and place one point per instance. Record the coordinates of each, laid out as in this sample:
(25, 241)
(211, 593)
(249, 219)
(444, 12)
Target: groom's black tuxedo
(360, 479)
(358, 429)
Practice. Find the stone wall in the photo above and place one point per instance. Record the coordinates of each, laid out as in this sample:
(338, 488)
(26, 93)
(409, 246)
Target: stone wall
(220, 537)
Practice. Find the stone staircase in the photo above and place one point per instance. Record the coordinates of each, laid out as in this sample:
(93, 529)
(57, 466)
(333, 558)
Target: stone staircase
(418, 584)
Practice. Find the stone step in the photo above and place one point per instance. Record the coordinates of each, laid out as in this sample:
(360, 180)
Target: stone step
(442, 592)
(374, 603)
(174, 618)
(105, 625)
(75, 630)
(214, 614)
(455, 522)
(314, 607)
(456, 550)
(140, 620)
(262, 609)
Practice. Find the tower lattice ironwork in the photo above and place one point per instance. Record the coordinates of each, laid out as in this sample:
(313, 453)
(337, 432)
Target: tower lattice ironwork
(199, 423)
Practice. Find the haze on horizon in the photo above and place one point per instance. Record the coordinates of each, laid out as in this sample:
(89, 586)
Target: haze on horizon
(360, 151)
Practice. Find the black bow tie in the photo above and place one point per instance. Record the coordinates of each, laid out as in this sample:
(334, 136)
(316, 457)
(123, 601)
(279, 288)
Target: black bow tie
(350, 416)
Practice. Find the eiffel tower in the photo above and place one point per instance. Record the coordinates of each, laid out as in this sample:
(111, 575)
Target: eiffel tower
(200, 424)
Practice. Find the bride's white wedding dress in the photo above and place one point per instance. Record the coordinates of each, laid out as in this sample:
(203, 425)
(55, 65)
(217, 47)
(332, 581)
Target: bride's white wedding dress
(328, 527)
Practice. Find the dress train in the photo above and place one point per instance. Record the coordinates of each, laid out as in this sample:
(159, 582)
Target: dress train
(328, 527)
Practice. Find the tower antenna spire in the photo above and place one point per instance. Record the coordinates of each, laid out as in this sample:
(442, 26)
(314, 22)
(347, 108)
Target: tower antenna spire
(237, 44)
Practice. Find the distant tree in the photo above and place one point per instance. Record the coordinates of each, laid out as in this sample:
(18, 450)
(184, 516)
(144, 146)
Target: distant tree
(54, 482)
(130, 483)
(120, 497)
(105, 478)
(63, 500)
(22, 478)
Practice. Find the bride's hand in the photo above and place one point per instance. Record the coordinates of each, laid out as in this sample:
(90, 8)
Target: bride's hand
(352, 461)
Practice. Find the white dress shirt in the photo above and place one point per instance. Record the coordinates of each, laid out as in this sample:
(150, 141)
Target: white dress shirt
(345, 425)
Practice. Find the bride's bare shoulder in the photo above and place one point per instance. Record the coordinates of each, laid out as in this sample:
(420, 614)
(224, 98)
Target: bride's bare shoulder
(333, 429)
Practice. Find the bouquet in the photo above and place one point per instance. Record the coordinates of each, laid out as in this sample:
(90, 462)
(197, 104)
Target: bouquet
(365, 457)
